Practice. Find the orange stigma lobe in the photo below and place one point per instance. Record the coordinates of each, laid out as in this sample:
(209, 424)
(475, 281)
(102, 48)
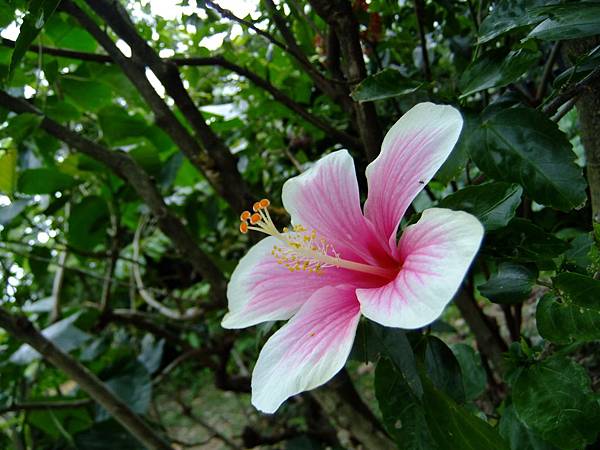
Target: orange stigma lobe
(255, 218)
(264, 203)
(245, 216)
(244, 227)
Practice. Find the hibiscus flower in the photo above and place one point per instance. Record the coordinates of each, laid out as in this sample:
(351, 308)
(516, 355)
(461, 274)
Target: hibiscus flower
(336, 262)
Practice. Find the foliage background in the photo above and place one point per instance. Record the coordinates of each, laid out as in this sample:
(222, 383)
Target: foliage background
(133, 133)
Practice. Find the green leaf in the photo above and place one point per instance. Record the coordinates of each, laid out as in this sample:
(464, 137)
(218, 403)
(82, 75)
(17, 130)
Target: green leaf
(44, 181)
(443, 368)
(523, 241)
(107, 434)
(473, 374)
(508, 15)
(151, 353)
(512, 283)
(58, 422)
(133, 386)
(555, 400)
(8, 170)
(21, 127)
(37, 15)
(88, 223)
(385, 84)
(118, 126)
(494, 204)
(459, 156)
(568, 21)
(522, 145)
(497, 69)
(86, 94)
(517, 434)
(403, 413)
(455, 428)
(573, 314)
(64, 334)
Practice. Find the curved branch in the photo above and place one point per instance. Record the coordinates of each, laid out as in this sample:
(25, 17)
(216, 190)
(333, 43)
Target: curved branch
(127, 169)
(230, 183)
(343, 138)
(190, 314)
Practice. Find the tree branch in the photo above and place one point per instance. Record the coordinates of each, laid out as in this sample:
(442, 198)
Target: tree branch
(343, 138)
(37, 405)
(23, 330)
(127, 169)
(338, 14)
(224, 174)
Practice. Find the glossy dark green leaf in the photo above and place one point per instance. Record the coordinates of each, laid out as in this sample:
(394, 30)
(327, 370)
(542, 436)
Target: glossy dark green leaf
(494, 204)
(473, 374)
(574, 313)
(512, 283)
(577, 258)
(21, 127)
(88, 223)
(497, 69)
(44, 181)
(522, 145)
(38, 13)
(385, 84)
(443, 368)
(554, 399)
(508, 15)
(455, 428)
(118, 126)
(517, 434)
(568, 21)
(523, 241)
(402, 411)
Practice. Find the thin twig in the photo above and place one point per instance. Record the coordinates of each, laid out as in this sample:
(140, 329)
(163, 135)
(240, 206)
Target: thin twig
(37, 405)
(190, 314)
(547, 72)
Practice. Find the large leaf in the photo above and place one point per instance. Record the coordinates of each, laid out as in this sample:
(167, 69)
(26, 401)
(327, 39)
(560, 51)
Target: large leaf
(402, 411)
(37, 15)
(473, 374)
(455, 428)
(133, 386)
(443, 368)
(523, 241)
(8, 170)
(512, 283)
(494, 204)
(107, 434)
(517, 434)
(555, 400)
(88, 223)
(568, 21)
(497, 69)
(44, 181)
(508, 15)
(385, 84)
(523, 146)
(573, 314)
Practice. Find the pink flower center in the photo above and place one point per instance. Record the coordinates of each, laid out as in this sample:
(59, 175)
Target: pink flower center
(302, 249)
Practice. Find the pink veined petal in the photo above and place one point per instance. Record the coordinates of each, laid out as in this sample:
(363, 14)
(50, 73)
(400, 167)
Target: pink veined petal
(436, 253)
(309, 350)
(326, 198)
(261, 290)
(412, 152)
